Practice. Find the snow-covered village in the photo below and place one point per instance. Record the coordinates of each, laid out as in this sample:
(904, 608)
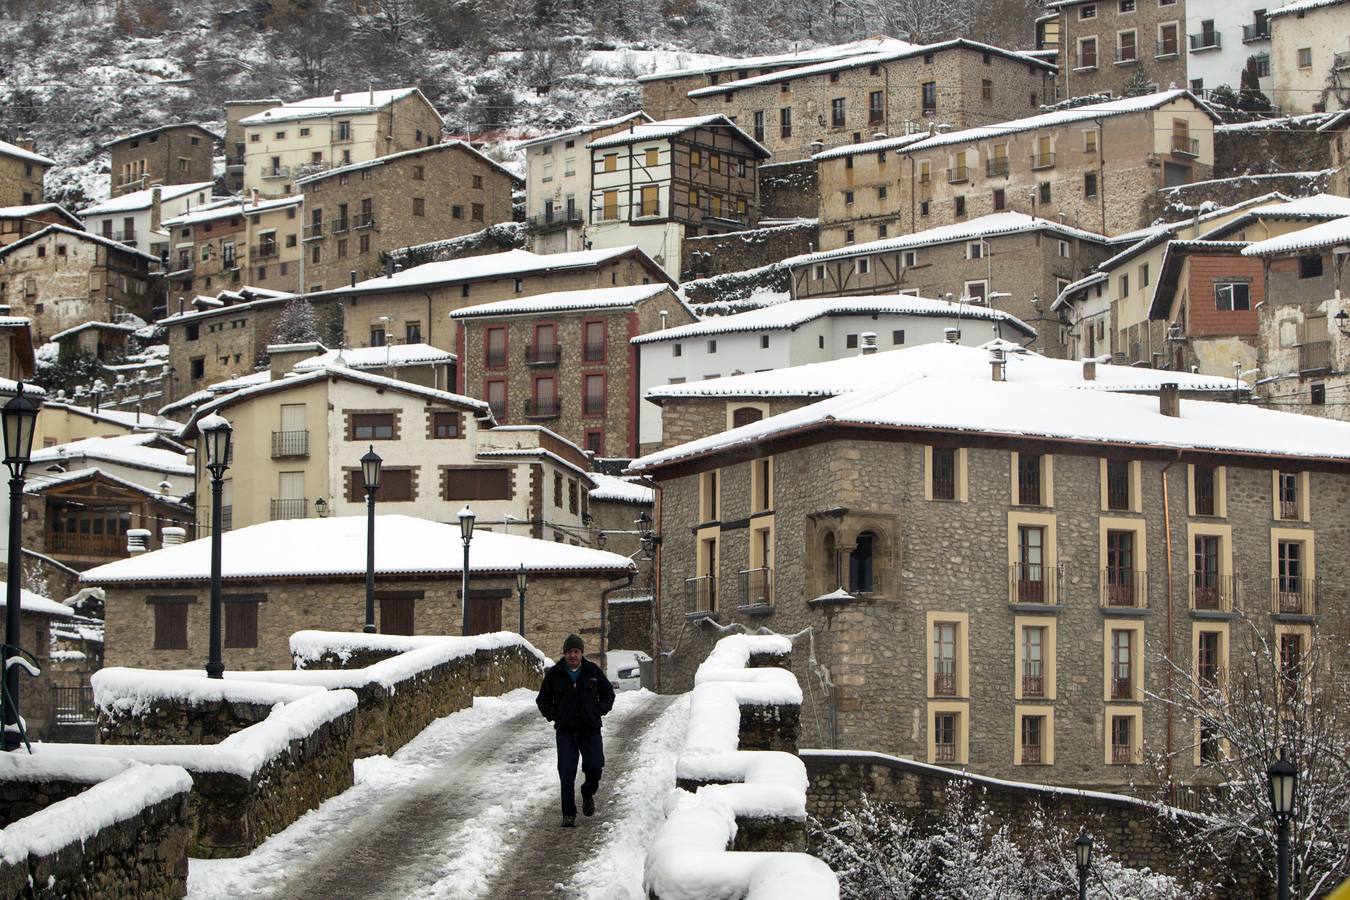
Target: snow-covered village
(784, 450)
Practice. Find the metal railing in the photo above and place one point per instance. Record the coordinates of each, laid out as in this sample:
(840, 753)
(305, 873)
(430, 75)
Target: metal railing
(1042, 160)
(556, 219)
(288, 508)
(1029, 488)
(757, 586)
(1035, 583)
(125, 236)
(264, 251)
(1256, 32)
(313, 231)
(1212, 592)
(1033, 685)
(1031, 753)
(944, 753)
(944, 486)
(701, 593)
(1122, 688)
(1314, 355)
(1124, 588)
(87, 544)
(234, 161)
(542, 408)
(1127, 56)
(593, 351)
(543, 355)
(276, 172)
(1186, 145)
(1293, 595)
(1205, 40)
(498, 409)
(495, 357)
(944, 684)
(1122, 754)
(592, 405)
(1117, 491)
(365, 220)
(996, 166)
(957, 176)
(1289, 510)
(73, 705)
(340, 226)
(290, 443)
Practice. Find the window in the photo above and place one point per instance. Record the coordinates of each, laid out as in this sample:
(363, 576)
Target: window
(861, 570)
(651, 201)
(1089, 184)
(745, 415)
(1143, 275)
(1087, 53)
(456, 211)
(1033, 729)
(759, 125)
(377, 336)
(1305, 58)
(594, 344)
(1087, 11)
(708, 497)
(1126, 49)
(1289, 576)
(595, 442)
(1029, 477)
(848, 198)
(898, 337)
(1232, 296)
(1206, 578)
(1029, 570)
(976, 290)
(910, 258)
(928, 96)
(1291, 657)
(1122, 664)
(372, 427)
(714, 162)
(944, 659)
(1119, 578)
(837, 112)
(476, 212)
(1033, 661)
(594, 395)
(1167, 39)
(1207, 658)
(764, 342)
(712, 346)
(1000, 199)
(445, 425)
(478, 181)
(875, 108)
(1122, 740)
(785, 122)
(494, 392)
(477, 484)
(1118, 484)
(1204, 478)
(943, 484)
(1045, 192)
(1317, 394)
(986, 90)
(863, 265)
(1310, 266)
(241, 622)
(761, 477)
(960, 204)
(610, 162)
(494, 347)
(849, 236)
(944, 737)
(1287, 486)
(197, 367)
(923, 208)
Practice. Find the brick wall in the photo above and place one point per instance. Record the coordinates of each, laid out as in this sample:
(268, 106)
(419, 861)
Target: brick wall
(1204, 316)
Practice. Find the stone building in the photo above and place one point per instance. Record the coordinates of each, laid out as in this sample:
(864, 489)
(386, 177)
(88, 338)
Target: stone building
(218, 338)
(1310, 55)
(656, 183)
(150, 459)
(232, 242)
(136, 218)
(37, 616)
(987, 570)
(356, 213)
(287, 142)
(798, 112)
(20, 221)
(563, 359)
(60, 277)
(1221, 36)
(235, 140)
(1105, 45)
(1009, 260)
(1208, 295)
(21, 173)
(17, 359)
(283, 577)
(169, 154)
(558, 187)
(1337, 130)
(1090, 167)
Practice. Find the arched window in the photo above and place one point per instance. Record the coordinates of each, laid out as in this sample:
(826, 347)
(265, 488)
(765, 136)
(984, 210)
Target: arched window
(861, 577)
(745, 415)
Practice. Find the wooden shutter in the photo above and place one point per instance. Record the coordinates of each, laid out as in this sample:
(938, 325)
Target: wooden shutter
(396, 615)
(241, 623)
(485, 614)
(170, 626)
(745, 415)
(396, 484)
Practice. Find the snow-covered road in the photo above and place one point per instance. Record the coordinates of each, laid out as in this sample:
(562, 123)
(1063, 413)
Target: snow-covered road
(469, 809)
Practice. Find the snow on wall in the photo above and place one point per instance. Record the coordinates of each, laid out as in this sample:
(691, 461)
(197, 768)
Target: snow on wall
(309, 646)
(132, 692)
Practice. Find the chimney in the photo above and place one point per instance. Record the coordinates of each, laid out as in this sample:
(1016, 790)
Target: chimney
(997, 360)
(255, 197)
(371, 88)
(138, 541)
(281, 358)
(170, 535)
(869, 343)
(337, 96)
(951, 335)
(155, 212)
(1169, 400)
(352, 275)
(1089, 370)
(388, 267)
(664, 314)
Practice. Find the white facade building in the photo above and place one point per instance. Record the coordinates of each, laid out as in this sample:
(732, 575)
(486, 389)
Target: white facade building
(135, 219)
(1222, 35)
(1310, 56)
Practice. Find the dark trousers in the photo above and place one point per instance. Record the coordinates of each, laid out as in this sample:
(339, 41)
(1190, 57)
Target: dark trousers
(591, 749)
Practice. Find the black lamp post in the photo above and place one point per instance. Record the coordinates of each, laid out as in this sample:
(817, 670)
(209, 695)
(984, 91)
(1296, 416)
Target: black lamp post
(1283, 776)
(522, 579)
(1083, 847)
(20, 418)
(216, 432)
(370, 474)
(466, 518)
(321, 508)
(600, 538)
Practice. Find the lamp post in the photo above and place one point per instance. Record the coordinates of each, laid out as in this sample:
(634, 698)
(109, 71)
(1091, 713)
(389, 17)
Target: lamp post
(370, 474)
(1283, 777)
(1083, 847)
(522, 579)
(217, 433)
(20, 417)
(466, 534)
(321, 508)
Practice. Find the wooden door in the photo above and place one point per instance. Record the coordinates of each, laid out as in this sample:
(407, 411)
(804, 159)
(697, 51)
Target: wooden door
(396, 615)
(485, 614)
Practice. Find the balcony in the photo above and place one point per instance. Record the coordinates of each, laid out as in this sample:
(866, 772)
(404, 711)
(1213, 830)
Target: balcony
(498, 410)
(592, 405)
(1122, 688)
(543, 408)
(757, 587)
(86, 545)
(701, 593)
(495, 358)
(234, 162)
(1257, 32)
(290, 444)
(1205, 40)
(125, 236)
(594, 351)
(551, 221)
(1185, 145)
(1033, 685)
(957, 176)
(543, 355)
(1211, 592)
(1293, 595)
(342, 133)
(1340, 60)
(996, 166)
(1122, 754)
(270, 172)
(288, 508)
(313, 231)
(365, 220)
(1314, 356)
(944, 684)
(1031, 753)
(263, 251)
(1124, 588)
(340, 226)
(1035, 583)
(1042, 161)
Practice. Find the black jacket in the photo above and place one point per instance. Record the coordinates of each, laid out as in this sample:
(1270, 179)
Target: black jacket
(575, 705)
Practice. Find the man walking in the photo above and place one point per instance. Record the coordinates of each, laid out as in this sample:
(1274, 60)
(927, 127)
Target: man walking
(574, 696)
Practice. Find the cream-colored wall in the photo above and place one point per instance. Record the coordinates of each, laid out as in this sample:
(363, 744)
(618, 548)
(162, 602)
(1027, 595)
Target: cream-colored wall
(60, 426)
(1325, 31)
(275, 220)
(1200, 126)
(296, 150)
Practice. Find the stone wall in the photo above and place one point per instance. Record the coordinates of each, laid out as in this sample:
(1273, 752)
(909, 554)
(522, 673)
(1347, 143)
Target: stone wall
(1271, 146)
(630, 624)
(1170, 204)
(718, 254)
(180, 723)
(789, 190)
(1138, 834)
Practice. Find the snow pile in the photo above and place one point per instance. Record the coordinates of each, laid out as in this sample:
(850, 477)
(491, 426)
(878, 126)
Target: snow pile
(132, 692)
(309, 646)
(77, 819)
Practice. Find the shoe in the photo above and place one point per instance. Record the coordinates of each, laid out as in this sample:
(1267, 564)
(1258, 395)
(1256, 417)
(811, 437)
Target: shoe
(588, 804)
(569, 822)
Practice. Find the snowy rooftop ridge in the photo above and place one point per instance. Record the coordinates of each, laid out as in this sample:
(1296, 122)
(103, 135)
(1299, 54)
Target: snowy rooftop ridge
(613, 489)
(33, 209)
(561, 301)
(1302, 6)
(349, 103)
(143, 199)
(800, 57)
(582, 128)
(1317, 207)
(8, 149)
(129, 449)
(377, 357)
(668, 128)
(1333, 234)
(147, 421)
(402, 154)
(30, 601)
(104, 326)
(78, 234)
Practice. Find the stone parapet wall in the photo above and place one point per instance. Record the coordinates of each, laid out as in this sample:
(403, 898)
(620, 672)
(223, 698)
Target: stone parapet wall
(1283, 145)
(1171, 204)
(736, 251)
(789, 190)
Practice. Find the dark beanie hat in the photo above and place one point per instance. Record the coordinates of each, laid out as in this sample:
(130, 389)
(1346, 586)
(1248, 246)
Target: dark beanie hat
(573, 642)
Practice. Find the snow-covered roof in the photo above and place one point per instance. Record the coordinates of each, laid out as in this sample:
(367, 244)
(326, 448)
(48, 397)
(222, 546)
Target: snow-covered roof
(80, 235)
(669, 128)
(992, 225)
(34, 209)
(493, 265)
(874, 146)
(8, 149)
(796, 58)
(39, 482)
(563, 301)
(619, 490)
(1335, 233)
(144, 199)
(216, 306)
(1020, 408)
(239, 381)
(350, 103)
(101, 326)
(218, 209)
(336, 547)
(1302, 6)
(36, 603)
(128, 449)
(377, 357)
(1056, 119)
(403, 154)
(160, 129)
(940, 361)
(583, 128)
(1299, 122)
(1076, 286)
(1315, 207)
(795, 313)
(1132, 237)
(1335, 121)
(144, 421)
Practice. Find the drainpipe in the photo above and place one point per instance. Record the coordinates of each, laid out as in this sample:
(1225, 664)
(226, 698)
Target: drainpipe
(656, 586)
(604, 617)
(1167, 537)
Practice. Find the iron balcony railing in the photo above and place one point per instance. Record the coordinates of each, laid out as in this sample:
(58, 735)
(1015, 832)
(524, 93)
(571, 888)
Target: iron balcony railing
(1289, 510)
(1185, 145)
(1257, 32)
(365, 220)
(542, 408)
(1205, 40)
(313, 231)
(594, 351)
(263, 251)
(1035, 583)
(957, 176)
(125, 236)
(1029, 488)
(996, 166)
(944, 753)
(234, 161)
(1118, 491)
(1033, 685)
(495, 357)
(74, 705)
(556, 219)
(757, 586)
(701, 593)
(340, 226)
(1031, 753)
(1124, 588)
(1314, 355)
(269, 172)
(592, 405)
(498, 409)
(1042, 160)
(288, 508)
(1212, 592)
(944, 684)
(289, 444)
(1293, 595)
(1122, 688)
(1129, 55)
(1122, 754)
(543, 355)
(944, 486)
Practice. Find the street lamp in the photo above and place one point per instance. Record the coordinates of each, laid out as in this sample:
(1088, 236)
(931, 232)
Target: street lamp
(321, 508)
(1283, 776)
(216, 432)
(522, 580)
(600, 538)
(1083, 847)
(19, 418)
(466, 533)
(370, 475)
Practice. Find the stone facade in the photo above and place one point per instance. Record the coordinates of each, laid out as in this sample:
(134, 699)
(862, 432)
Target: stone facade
(877, 646)
(1298, 334)
(354, 214)
(1338, 134)
(208, 251)
(215, 344)
(170, 154)
(1272, 146)
(21, 176)
(716, 254)
(1107, 44)
(789, 190)
(15, 225)
(629, 624)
